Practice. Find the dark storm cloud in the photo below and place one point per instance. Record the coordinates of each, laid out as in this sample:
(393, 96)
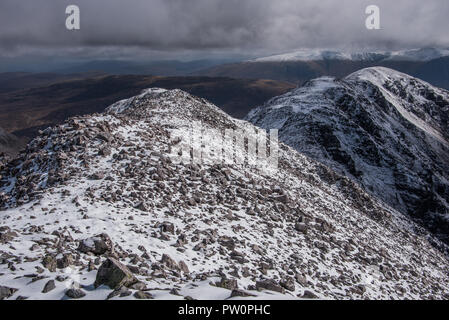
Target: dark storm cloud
(232, 25)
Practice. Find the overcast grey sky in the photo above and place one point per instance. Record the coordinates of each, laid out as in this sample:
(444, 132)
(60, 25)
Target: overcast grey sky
(202, 27)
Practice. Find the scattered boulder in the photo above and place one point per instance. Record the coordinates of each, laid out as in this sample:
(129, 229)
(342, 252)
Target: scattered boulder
(288, 283)
(301, 280)
(6, 292)
(97, 176)
(241, 293)
(169, 262)
(121, 292)
(142, 206)
(183, 267)
(114, 274)
(75, 293)
(6, 235)
(50, 263)
(226, 283)
(104, 151)
(97, 245)
(50, 285)
(282, 198)
(301, 227)
(143, 295)
(309, 295)
(168, 227)
(65, 261)
(269, 285)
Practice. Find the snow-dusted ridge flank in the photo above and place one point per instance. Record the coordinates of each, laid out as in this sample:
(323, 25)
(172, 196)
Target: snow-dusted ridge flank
(386, 130)
(204, 231)
(425, 54)
(380, 76)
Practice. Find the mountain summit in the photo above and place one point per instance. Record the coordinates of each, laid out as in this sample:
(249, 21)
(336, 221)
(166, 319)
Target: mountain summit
(386, 130)
(98, 208)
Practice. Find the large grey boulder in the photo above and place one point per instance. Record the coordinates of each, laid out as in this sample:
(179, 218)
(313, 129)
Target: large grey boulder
(97, 245)
(114, 274)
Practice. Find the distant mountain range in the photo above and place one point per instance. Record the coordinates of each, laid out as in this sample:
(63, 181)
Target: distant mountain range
(425, 54)
(110, 66)
(429, 64)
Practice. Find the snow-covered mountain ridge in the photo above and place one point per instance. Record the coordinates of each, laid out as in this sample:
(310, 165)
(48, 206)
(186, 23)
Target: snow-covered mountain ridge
(99, 200)
(384, 129)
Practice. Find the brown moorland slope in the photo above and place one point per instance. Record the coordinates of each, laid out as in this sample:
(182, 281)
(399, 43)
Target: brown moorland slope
(23, 112)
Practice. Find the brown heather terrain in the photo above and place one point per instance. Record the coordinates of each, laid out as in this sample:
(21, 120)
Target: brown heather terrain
(30, 102)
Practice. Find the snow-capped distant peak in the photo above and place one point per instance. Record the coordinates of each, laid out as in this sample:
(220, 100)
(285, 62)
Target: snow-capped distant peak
(306, 55)
(425, 54)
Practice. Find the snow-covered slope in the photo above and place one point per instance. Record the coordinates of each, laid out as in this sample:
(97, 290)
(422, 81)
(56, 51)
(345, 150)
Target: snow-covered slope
(384, 129)
(425, 54)
(106, 185)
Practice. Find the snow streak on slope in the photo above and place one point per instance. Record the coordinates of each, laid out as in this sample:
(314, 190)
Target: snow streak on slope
(206, 231)
(386, 130)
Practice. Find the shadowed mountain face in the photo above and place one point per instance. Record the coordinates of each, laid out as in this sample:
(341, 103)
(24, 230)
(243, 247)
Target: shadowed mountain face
(9, 143)
(435, 71)
(24, 112)
(384, 129)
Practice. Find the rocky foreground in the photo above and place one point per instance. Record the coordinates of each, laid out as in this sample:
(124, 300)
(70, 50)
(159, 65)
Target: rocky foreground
(96, 208)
